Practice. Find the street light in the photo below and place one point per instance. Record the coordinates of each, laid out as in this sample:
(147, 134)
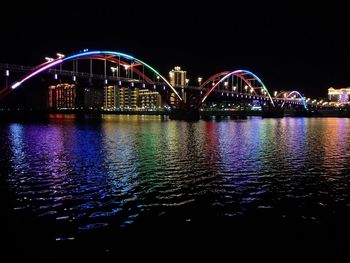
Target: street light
(199, 80)
(275, 94)
(126, 70)
(49, 59)
(7, 74)
(60, 55)
(114, 69)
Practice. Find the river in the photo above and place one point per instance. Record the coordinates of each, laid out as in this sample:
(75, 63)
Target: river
(96, 186)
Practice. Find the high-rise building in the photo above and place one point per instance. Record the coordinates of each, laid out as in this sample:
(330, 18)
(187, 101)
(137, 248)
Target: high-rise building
(110, 98)
(120, 98)
(62, 96)
(149, 99)
(133, 97)
(339, 95)
(178, 77)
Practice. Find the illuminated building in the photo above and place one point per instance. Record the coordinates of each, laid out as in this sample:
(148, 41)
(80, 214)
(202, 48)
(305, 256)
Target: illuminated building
(149, 99)
(119, 98)
(339, 95)
(62, 96)
(110, 98)
(133, 96)
(178, 77)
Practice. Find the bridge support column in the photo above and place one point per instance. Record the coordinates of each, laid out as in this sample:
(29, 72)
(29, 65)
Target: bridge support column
(184, 114)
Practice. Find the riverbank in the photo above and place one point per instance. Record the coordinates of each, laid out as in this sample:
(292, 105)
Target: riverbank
(11, 115)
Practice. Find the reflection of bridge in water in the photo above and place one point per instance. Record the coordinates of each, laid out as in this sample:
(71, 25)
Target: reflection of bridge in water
(228, 91)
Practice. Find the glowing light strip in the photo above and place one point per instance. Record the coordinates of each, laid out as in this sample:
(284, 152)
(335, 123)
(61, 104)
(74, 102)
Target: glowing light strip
(91, 53)
(237, 72)
(213, 78)
(164, 79)
(260, 81)
(47, 66)
(297, 93)
(213, 87)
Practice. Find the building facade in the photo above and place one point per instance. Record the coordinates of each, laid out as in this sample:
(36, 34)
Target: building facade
(149, 99)
(178, 77)
(110, 98)
(62, 96)
(120, 98)
(339, 95)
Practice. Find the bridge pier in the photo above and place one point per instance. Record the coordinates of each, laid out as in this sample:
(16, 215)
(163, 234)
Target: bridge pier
(184, 114)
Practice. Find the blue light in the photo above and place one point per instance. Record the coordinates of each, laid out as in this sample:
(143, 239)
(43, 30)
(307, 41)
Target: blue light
(96, 53)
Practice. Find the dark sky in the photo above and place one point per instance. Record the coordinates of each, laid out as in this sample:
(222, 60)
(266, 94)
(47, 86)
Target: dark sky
(288, 44)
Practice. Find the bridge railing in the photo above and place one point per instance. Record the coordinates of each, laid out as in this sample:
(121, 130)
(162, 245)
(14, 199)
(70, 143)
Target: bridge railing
(18, 68)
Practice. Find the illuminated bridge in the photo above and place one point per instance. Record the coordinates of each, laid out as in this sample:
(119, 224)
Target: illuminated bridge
(224, 91)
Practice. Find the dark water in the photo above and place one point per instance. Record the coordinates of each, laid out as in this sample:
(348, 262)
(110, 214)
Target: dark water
(276, 188)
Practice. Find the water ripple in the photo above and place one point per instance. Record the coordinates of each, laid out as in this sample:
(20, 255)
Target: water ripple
(121, 172)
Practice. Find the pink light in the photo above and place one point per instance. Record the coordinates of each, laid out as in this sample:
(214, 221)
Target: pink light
(49, 65)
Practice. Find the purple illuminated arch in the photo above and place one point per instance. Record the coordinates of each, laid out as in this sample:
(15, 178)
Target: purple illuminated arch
(294, 92)
(240, 74)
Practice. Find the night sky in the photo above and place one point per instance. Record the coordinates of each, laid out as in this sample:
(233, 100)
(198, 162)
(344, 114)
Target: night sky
(288, 45)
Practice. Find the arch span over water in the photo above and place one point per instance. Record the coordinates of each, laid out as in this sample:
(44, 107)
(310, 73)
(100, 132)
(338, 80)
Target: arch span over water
(83, 55)
(240, 73)
(297, 93)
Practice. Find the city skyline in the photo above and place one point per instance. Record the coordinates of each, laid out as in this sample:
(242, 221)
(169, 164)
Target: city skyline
(290, 46)
(175, 130)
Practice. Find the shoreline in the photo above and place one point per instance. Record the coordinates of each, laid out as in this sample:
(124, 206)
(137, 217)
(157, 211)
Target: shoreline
(25, 114)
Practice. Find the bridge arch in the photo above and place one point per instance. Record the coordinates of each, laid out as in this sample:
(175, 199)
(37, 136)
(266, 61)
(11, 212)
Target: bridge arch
(247, 76)
(108, 55)
(213, 78)
(296, 93)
